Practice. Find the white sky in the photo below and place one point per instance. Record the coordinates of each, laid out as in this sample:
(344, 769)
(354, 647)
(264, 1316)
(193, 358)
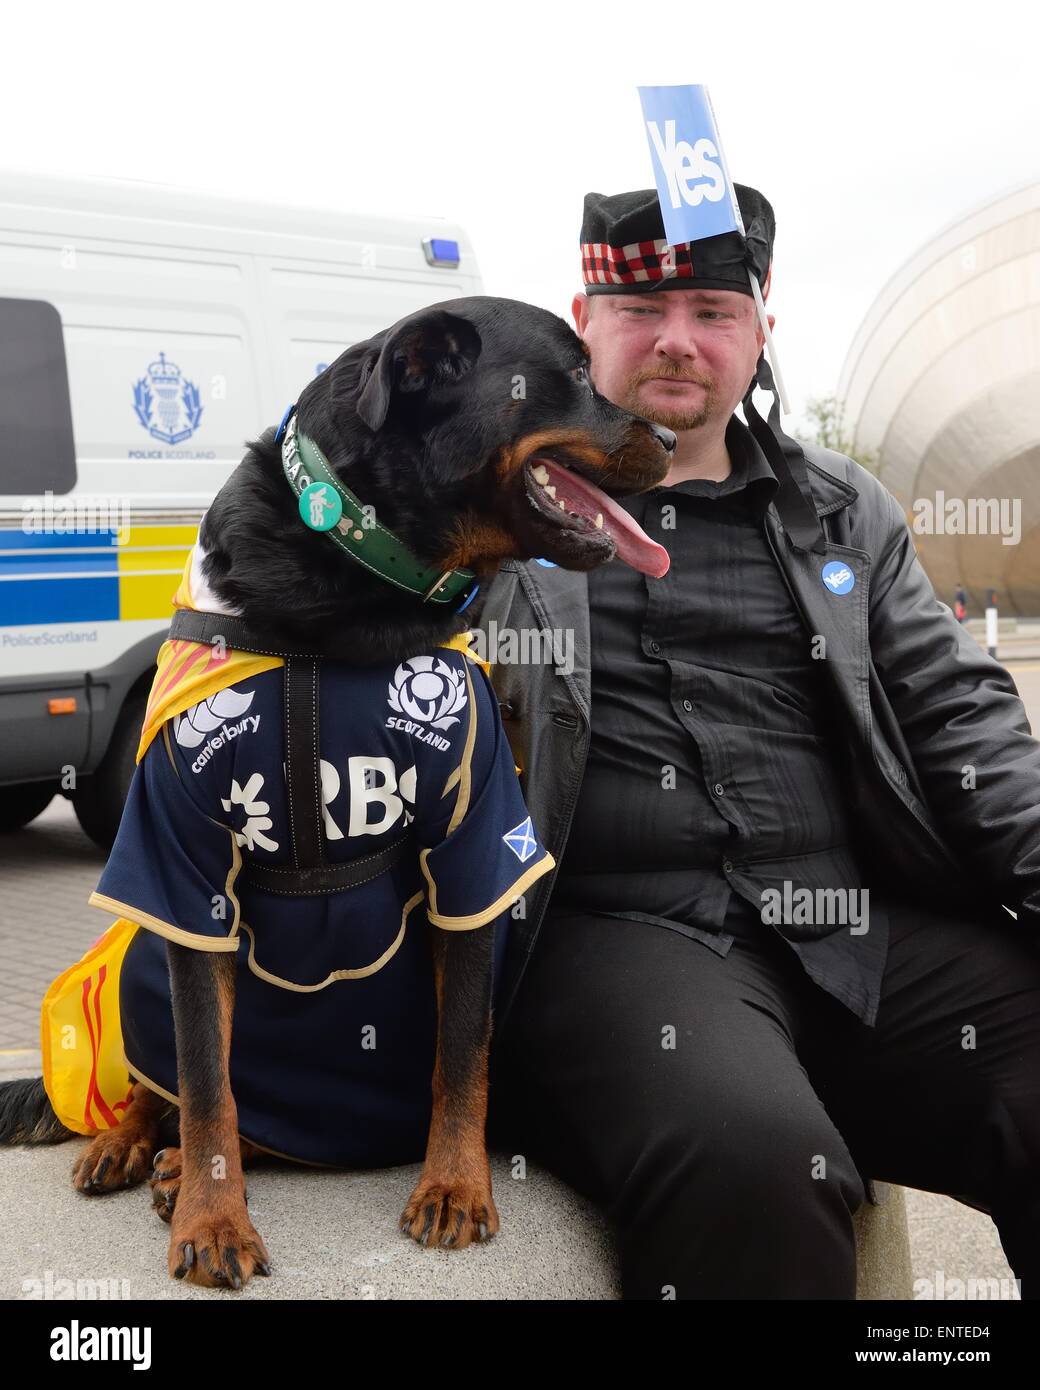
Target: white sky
(868, 128)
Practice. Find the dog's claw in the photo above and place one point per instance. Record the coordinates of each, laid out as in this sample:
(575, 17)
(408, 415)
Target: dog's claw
(430, 1213)
(187, 1260)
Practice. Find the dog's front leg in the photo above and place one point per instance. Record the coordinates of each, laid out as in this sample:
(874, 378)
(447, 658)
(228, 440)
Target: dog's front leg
(212, 1240)
(452, 1203)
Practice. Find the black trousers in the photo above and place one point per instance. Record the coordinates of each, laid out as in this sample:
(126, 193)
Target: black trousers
(729, 1165)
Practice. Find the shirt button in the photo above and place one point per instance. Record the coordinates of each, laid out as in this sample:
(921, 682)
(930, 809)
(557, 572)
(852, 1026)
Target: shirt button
(727, 866)
(687, 705)
(655, 646)
(719, 789)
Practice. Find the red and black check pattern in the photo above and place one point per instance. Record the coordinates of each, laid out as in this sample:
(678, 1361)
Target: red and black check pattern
(637, 263)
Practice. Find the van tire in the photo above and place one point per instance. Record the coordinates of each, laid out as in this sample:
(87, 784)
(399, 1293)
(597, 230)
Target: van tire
(99, 799)
(23, 802)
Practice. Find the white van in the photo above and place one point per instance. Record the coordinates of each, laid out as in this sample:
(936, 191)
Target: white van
(145, 334)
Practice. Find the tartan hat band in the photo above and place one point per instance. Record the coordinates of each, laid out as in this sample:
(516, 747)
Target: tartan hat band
(657, 264)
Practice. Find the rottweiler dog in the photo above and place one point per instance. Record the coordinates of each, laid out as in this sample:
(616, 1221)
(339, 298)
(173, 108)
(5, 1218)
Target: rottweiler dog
(475, 431)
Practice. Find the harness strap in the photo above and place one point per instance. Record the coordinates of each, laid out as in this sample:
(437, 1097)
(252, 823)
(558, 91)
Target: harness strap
(188, 624)
(303, 762)
(327, 879)
(310, 872)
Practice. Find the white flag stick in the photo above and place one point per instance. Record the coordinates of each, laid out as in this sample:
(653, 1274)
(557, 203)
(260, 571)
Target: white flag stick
(774, 361)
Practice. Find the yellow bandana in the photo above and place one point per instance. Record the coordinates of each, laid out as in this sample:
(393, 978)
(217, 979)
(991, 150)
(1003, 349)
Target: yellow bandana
(187, 672)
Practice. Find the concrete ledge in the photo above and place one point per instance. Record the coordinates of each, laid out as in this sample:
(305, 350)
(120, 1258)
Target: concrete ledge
(334, 1235)
(330, 1235)
(883, 1267)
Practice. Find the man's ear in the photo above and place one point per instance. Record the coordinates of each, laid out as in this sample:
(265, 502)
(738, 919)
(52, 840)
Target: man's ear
(429, 346)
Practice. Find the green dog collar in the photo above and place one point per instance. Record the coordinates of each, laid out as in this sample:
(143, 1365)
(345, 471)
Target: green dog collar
(334, 509)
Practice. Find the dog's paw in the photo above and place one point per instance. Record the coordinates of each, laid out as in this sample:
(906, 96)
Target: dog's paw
(165, 1182)
(113, 1159)
(450, 1214)
(217, 1250)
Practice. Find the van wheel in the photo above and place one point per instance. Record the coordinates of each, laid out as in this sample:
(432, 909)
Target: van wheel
(23, 802)
(99, 799)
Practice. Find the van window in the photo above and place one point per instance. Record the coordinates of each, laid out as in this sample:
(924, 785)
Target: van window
(37, 450)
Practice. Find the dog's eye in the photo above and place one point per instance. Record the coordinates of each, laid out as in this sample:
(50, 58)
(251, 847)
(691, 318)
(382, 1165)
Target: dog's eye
(582, 377)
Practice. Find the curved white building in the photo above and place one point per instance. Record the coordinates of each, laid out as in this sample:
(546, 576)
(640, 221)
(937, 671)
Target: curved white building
(943, 382)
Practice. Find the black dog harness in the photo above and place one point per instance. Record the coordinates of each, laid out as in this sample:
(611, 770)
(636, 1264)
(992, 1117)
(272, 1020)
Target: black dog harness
(310, 873)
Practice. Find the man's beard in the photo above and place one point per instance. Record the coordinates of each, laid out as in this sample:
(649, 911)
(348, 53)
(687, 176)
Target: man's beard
(674, 417)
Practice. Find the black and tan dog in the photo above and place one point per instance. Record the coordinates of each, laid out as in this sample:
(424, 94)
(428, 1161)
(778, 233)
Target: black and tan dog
(474, 430)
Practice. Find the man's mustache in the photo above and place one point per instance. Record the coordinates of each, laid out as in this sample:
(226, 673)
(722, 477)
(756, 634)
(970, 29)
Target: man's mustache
(697, 380)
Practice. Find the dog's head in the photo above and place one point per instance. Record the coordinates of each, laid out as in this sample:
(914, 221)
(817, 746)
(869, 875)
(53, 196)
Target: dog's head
(474, 430)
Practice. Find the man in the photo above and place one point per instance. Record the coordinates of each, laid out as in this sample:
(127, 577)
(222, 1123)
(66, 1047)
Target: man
(960, 603)
(787, 796)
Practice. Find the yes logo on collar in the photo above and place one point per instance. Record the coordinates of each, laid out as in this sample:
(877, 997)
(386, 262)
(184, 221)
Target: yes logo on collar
(837, 576)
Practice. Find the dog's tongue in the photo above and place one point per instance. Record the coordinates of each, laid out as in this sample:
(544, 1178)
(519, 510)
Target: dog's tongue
(634, 546)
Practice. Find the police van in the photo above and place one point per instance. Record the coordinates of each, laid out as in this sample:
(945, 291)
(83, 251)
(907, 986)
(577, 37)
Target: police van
(145, 334)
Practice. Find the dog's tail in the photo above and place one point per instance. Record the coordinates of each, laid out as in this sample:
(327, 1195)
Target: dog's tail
(27, 1116)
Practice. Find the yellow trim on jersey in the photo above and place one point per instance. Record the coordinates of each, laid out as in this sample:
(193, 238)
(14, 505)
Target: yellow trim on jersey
(462, 800)
(361, 972)
(479, 919)
(156, 924)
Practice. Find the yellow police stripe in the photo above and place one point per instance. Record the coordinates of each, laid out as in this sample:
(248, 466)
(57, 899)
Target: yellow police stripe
(151, 564)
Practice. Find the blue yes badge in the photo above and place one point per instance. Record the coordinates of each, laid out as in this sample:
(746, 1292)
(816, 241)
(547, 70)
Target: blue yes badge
(320, 506)
(837, 576)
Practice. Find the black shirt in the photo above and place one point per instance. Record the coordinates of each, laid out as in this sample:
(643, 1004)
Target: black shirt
(711, 768)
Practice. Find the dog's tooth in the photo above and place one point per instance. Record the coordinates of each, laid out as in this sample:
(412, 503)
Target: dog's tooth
(540, 474)
(599, 520)
(550, 488)
(562, 507)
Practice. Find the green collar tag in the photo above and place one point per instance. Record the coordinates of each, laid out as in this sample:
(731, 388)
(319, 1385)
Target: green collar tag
(320, 506)
(327, 505)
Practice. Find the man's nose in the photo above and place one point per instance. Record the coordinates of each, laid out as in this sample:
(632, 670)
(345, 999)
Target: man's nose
(677, 341)
(666, 437)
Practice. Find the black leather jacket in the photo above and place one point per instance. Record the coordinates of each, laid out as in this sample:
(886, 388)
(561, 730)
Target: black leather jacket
(925, 713)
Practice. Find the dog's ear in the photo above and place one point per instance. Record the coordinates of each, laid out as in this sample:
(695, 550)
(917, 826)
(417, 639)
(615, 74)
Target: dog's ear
(429, 346)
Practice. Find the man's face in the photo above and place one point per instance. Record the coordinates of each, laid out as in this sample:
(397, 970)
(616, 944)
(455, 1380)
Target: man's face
(682, 358)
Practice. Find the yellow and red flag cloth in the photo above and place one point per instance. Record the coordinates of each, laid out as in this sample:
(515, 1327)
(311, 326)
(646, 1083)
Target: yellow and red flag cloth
(84, 1073)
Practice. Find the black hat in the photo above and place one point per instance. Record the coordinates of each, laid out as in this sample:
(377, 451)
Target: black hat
(623, 245)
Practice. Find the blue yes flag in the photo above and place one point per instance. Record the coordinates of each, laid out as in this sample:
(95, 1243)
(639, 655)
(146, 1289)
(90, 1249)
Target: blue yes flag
(693, 184)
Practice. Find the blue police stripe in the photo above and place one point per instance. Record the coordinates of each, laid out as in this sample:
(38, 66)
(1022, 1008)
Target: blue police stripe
(26, 597)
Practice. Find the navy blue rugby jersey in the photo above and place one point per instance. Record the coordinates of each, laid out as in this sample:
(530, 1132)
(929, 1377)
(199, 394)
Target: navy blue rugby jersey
(334, 1030)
